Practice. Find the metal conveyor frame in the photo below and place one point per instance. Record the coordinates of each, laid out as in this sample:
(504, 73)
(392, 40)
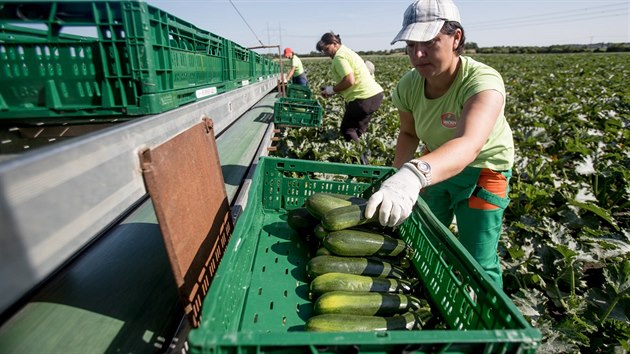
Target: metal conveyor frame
(55, 200)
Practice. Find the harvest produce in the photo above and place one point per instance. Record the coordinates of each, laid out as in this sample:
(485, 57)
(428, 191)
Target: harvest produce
(320, 203)
(366, 303)
(301, 220)
(353, 282)
(362, 243)
(320, 232)
(356, 271)
(347, 217)
(359, 323)
(353, 265)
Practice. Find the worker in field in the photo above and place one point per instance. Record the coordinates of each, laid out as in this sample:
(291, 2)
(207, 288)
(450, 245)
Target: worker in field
(363, 95)
(297, 73)
(455, 106)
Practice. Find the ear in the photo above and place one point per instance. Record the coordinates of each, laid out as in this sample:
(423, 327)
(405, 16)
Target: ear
(457, 36)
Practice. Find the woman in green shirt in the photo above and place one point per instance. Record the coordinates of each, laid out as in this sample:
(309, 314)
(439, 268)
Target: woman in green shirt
(363, 95)
(297, 73)
(455, 106)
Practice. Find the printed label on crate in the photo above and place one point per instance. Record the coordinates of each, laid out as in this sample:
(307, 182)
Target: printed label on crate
(245, 82)
(206, 92)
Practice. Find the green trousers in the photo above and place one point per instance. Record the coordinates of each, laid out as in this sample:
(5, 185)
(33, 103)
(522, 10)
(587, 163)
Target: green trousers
(477, 198)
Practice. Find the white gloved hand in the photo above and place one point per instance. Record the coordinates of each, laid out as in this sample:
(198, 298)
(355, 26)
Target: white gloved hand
(396, 197)
(328, 91)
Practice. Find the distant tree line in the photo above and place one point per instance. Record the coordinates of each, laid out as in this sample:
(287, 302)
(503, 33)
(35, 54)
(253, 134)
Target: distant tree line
(473, 48)
(564, 48)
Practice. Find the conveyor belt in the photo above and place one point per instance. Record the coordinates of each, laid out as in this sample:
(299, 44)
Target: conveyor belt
(119, 295)
(56, 199)
(235, 144)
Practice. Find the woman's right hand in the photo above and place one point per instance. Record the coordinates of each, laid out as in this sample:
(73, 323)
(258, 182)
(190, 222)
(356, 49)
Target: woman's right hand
(327, 91)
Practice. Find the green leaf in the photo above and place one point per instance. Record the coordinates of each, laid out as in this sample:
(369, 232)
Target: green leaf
(602, 213)
(618, 277)
(531, 303)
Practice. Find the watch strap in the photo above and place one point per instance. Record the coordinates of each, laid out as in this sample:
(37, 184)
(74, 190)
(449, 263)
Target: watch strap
(427, 175)
(421, 176)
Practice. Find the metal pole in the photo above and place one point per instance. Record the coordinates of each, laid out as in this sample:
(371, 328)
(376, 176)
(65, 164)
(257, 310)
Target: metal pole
(281, 83)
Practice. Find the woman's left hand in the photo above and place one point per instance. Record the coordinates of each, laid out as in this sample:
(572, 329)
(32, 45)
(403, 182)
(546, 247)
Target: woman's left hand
(396, 197)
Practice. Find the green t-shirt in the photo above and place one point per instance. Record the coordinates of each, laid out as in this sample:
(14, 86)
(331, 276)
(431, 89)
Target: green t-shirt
(436, 119)
(297, 64)
(347, 61)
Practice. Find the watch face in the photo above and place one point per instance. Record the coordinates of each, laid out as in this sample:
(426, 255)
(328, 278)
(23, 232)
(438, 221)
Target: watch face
(423, 167)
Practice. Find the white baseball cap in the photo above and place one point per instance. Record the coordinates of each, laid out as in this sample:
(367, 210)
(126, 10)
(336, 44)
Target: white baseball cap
(424, 19)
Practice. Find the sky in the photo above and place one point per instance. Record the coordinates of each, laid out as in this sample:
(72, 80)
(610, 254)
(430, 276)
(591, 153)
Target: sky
(372, 24)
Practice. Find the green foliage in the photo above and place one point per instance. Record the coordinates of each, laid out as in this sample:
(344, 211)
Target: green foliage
(566, 246)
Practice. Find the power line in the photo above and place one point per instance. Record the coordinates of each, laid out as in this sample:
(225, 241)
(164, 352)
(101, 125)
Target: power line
(542, 22)
(567, 16)
(248, 26)
(612, 7)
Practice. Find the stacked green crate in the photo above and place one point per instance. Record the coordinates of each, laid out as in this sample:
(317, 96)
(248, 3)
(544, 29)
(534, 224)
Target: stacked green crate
(139, 60)
(258, 64)
(240, 59)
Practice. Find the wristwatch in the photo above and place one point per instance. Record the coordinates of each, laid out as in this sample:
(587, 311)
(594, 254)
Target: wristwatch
(424, 168)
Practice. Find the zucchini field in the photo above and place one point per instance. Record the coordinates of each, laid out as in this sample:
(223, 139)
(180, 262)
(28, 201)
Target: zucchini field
(565, 248)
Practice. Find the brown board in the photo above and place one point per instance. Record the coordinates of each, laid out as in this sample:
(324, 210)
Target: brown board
(184, 180)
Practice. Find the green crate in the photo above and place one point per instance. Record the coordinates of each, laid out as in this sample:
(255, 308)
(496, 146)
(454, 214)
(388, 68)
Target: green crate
(297, 112)
(258, 299)
(258, 65)
(299, 91)
(240, 62)
(137, 60)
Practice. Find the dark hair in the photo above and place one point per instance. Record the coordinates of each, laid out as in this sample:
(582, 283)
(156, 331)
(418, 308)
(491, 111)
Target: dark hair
(449, 28)
(328, 38)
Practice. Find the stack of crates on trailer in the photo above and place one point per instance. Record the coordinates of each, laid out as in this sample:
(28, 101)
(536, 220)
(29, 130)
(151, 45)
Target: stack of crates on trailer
(297, 112)
(258, 301)
(262, 67)
(139, 60)
(240, 62)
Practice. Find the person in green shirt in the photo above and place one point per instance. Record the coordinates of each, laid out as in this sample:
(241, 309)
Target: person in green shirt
(455, 106)
(355, 83)
(297, 73)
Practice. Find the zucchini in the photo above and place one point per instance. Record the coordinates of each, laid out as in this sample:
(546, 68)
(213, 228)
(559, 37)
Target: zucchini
(346, 217)
(353, 265)
(301, 220)
(320, 232)
(319, 203)
(322, 251)
(361, 244)
(360, 323)
(366, 303)
(353, 282)
(402, 262)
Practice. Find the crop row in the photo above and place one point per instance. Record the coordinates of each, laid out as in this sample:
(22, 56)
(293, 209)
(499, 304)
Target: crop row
(566, 242)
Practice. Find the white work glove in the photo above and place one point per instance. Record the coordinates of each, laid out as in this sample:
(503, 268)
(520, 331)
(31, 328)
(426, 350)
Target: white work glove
(396, 197)
(328, 91)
